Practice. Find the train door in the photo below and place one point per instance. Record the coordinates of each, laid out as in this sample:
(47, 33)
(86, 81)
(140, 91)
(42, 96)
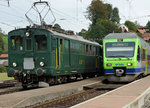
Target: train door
(57, 54)
(28, 55)
(146, 61)
(67, 53)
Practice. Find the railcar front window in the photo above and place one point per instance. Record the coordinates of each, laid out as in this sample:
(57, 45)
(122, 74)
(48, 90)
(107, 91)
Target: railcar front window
(16, 43)
(40, 42)
(28, 44)
(120, 49)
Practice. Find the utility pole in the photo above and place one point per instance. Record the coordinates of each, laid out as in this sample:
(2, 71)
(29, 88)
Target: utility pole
(8, 3)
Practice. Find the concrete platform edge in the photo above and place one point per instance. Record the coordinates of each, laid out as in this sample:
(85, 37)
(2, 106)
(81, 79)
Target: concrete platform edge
(47, 97)
(139, 101)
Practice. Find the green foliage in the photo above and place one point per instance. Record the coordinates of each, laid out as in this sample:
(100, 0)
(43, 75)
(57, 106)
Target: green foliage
(57, 26)
(101, 29)
(131, 26)
(115, 16)
(148, 25)
(1, 45)
(110, 10)
(105, 20)
(3, 69)
(96, 10)
(3, 42)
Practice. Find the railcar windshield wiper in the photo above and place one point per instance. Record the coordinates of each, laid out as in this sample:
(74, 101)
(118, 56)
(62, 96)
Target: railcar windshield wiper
(119, 56)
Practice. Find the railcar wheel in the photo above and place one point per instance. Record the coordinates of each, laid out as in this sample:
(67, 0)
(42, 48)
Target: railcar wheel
(25, 87)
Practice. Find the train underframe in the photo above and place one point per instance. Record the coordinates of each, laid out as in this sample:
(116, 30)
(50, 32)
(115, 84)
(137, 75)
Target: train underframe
(32, 80)
(125, 78)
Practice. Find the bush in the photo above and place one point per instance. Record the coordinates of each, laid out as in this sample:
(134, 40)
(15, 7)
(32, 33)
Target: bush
(3, 69)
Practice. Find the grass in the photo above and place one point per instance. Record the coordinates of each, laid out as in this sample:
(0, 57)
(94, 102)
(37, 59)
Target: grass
(3, 77)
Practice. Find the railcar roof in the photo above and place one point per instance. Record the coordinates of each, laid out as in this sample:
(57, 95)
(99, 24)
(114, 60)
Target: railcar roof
(121, 35)
(126, 35)
(74, 37)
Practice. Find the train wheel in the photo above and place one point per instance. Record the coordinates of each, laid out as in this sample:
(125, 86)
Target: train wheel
(25, 87)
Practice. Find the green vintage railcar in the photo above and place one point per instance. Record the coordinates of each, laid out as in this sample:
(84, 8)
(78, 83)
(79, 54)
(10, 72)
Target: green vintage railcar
(37, 54)
(126, 57)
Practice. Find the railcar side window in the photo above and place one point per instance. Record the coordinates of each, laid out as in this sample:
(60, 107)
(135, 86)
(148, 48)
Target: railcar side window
(40, 42)
(86, 48)
(61, 44)
(16, 43)
(94, 50)
(143, 55)
(138, 55)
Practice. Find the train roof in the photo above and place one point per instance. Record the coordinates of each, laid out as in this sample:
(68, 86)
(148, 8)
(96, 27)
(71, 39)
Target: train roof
(121, 35)
(126, 35)
(74, 37)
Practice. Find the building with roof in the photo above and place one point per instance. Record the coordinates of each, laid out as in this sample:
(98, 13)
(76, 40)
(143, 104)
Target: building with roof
(4, 59)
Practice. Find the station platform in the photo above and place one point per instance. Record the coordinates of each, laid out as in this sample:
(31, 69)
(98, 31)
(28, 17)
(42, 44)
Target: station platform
(35, 96)
(132, 95)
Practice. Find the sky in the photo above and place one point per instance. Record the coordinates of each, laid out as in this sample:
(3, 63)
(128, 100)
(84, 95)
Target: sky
(69, 14)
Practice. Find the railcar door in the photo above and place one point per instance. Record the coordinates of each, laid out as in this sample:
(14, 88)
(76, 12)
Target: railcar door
(144, 60)
(58, 54)
(67, 53)
(28, 55)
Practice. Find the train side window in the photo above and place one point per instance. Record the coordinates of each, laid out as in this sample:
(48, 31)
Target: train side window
(54, 44)
(143, 55)
(138, 54)
(87, 49)
(94, 50)
(90, 49)
(16, 43)
(61, 44)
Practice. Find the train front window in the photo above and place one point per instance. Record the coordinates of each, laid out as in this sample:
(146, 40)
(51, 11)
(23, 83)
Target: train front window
(16, 43)
(40, 42)
(120, 49)
(28, 44)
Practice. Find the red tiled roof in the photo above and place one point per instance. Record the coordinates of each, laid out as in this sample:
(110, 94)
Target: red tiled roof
(4, 56)
(141, 31)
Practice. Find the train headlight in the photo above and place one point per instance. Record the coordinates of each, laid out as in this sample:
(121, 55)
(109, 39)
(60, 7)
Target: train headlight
(14, 64)
(109, 64)
(129, 64)
(42, 64)
(27, 34)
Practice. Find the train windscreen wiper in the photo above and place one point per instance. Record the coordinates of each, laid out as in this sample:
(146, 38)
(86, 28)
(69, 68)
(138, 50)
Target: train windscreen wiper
(119, 56)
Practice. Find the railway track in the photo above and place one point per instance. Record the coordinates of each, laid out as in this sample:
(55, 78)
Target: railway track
(89, 92)
(8, 83)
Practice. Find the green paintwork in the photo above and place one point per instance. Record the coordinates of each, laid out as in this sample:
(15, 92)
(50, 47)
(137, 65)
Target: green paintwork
(121, 60)
(70, 55)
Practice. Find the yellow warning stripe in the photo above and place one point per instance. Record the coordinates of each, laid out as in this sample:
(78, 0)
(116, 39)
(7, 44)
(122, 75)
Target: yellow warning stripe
(59, 58)
(56, 59)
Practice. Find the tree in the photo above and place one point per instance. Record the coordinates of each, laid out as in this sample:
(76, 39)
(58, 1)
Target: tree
(82, 32)
(96, 10)
(101, 29)
(57, 26)
(105, 20)
(1, 45)
(115, 16)
(131, 26)
(110, 10)
(148, 25)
